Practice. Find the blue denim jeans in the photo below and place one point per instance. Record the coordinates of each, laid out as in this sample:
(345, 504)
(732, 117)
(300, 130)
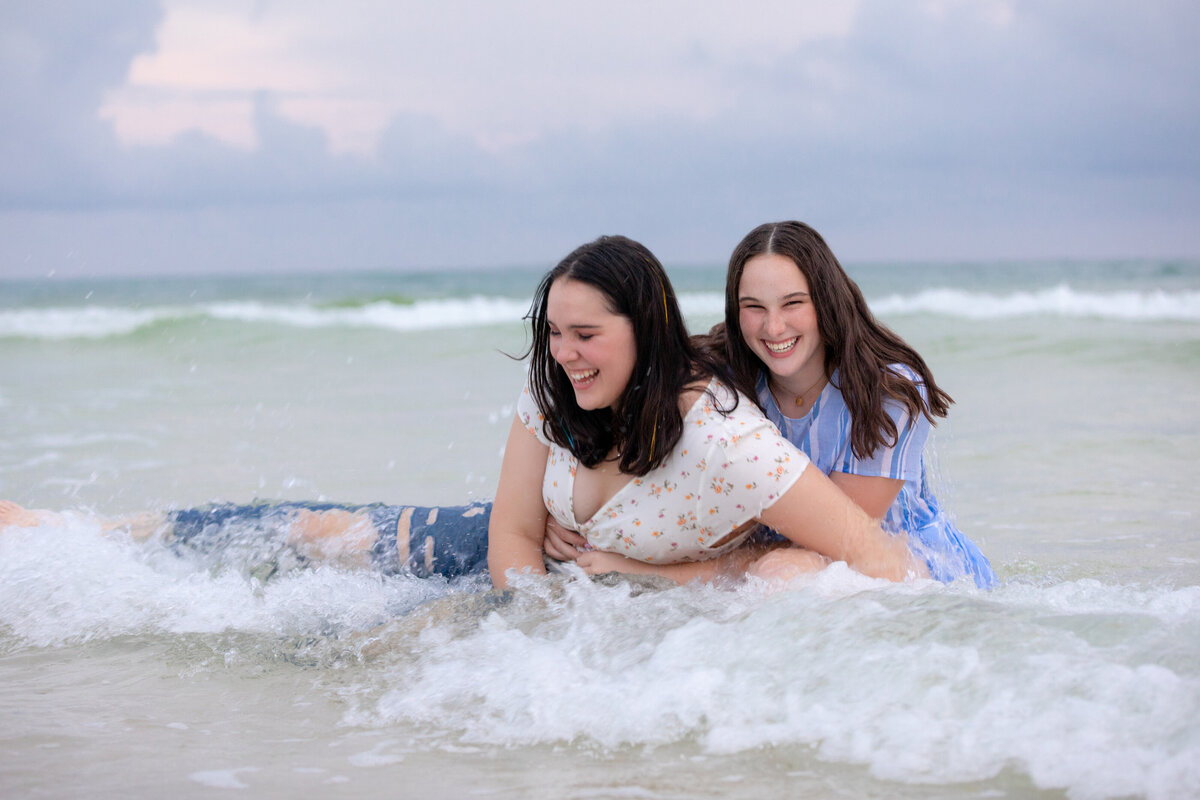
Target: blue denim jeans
(450, 541)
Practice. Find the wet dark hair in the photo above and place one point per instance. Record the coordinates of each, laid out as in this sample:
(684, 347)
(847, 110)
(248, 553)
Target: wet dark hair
(856, 344)
(648, 423)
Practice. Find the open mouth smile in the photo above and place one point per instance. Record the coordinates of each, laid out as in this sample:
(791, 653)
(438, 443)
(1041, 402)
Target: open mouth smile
(582, 377)
(780, 348)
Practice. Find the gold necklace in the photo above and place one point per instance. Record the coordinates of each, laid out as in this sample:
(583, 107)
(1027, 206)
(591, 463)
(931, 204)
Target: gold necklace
(800, 397)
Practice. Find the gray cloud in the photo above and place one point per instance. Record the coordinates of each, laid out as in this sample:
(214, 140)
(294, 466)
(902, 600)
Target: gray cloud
(57, 59)
(1068, 131)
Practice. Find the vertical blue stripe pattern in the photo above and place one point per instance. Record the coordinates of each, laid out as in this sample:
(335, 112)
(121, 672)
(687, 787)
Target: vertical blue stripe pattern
(824, 434)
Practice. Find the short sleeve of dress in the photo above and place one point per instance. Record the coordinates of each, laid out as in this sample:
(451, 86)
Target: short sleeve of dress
(747, 466)
(901, 460)
(531, 415)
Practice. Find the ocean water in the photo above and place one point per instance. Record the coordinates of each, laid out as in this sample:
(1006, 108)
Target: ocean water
(128, 669)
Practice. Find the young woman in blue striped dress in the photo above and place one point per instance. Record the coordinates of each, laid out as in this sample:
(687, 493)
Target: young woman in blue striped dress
(841, 386)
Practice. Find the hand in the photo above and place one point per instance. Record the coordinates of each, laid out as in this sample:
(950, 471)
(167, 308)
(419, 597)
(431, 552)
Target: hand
(562, 543)
(785, 563)
(595, 562)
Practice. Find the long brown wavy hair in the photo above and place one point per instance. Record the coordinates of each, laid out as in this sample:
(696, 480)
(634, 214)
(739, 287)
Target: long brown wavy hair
(856, 344)
(648, 423)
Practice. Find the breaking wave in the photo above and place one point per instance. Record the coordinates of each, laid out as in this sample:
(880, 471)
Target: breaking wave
(100, 322)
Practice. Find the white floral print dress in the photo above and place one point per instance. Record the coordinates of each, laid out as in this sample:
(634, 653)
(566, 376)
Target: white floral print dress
(723, 472)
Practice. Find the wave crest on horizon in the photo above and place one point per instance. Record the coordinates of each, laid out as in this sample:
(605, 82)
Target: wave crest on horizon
(1062, 301)
(99, 322)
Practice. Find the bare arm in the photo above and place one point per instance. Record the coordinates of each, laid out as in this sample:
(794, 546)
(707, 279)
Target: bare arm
(815, 514)
(733, 564)
(568, 545)
(518, 520)
(873, 495)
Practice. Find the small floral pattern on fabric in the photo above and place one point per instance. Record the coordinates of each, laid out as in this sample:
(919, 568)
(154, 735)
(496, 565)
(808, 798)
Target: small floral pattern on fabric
(724, 471)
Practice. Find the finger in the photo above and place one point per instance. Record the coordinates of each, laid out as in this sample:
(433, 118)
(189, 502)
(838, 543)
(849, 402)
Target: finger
(554, 537)
(563, 534)
(573, 538)
(560, 551)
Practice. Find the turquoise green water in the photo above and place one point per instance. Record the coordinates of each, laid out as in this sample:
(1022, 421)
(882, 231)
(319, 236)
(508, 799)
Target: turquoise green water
(1069, 456)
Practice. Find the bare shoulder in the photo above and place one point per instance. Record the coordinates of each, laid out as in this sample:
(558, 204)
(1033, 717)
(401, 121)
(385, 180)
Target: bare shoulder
(691, 393)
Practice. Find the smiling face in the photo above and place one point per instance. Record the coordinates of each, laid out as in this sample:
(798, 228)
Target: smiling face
(595, 347)
(779, 322)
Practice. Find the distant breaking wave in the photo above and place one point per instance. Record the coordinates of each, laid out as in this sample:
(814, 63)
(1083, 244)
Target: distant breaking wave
(99, 322)
(422, 315)
(1060, 301)
(104, 322)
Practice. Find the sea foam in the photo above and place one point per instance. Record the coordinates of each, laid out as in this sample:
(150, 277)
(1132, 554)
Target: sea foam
(920, 684)
(1082, 686)
(66, 583)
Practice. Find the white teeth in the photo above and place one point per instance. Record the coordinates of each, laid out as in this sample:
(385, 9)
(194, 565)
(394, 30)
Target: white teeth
(580, 377)
(781, 347)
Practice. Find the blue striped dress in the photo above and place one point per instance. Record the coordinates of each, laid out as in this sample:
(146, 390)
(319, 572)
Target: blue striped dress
(824, 434)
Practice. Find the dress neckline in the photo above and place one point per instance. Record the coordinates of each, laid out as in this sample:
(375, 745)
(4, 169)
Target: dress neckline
(573, 468)
(807, 414)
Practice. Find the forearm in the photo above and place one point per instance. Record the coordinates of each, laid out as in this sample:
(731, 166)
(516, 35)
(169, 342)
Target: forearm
(883, 555)
(518, 521)
(816, 515)
(513, 551)
(874, 495)
(733, 564)
(868, 549)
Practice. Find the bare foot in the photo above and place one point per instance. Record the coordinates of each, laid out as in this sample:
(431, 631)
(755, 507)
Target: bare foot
(21, 517)
(139, 526)
(786, 563)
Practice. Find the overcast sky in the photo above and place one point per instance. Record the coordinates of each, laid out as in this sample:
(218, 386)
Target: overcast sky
(185, 136)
